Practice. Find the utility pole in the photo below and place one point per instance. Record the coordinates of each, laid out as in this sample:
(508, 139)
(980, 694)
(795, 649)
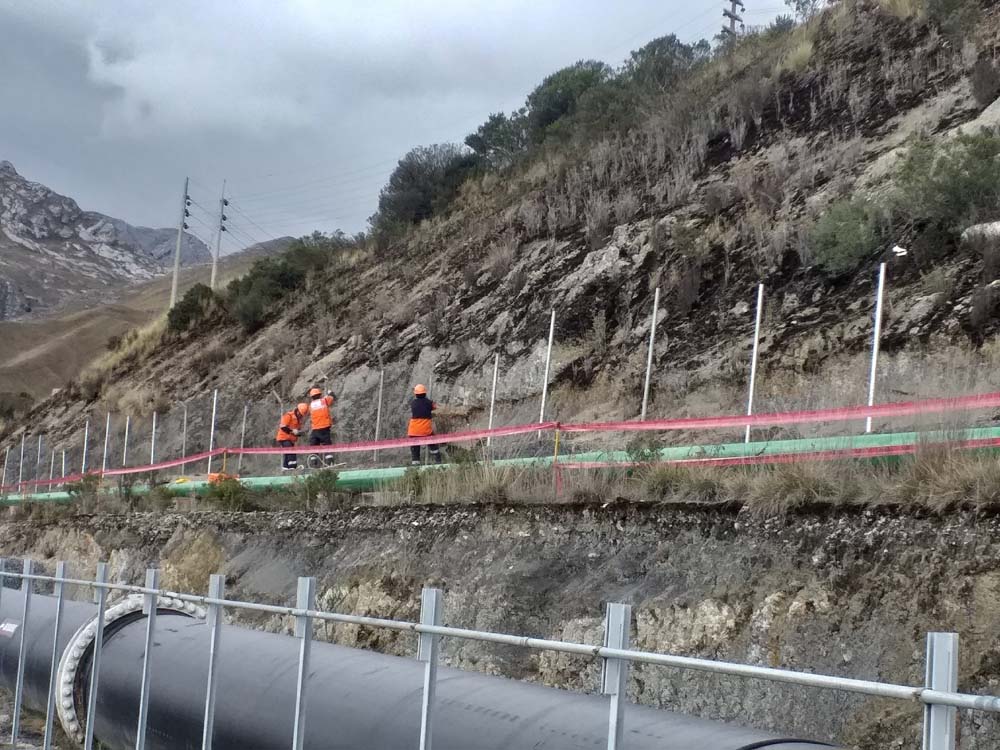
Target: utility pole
(180, 238)
(734, 17)
(218, 235)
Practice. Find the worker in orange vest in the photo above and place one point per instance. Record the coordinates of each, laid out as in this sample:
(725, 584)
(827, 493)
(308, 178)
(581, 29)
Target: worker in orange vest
(288, 434)
(321, 420)
(422, 424)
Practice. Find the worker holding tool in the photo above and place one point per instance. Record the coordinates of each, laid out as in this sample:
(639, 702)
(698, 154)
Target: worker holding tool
(321, 422)
(421, 423)
(288, 434)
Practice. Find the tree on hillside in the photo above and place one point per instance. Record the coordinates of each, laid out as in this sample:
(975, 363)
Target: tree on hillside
(423, 184)
(558, 94)
(659, 64)
(500, 139)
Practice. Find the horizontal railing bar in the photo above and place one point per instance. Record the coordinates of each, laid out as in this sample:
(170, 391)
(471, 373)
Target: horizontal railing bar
(805, 679)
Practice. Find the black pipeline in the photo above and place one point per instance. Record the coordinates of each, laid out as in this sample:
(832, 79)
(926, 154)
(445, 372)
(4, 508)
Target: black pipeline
(356, 700)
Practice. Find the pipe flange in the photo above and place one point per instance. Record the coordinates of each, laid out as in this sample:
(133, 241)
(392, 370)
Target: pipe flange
(81, 644)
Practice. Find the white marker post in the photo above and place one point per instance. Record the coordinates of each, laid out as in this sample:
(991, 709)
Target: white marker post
(875, 342)
(128, 423)
(243, 437)
(6, 458)
(649, 354)
(83, 461)
(20, 462)
(378, 411)
(107, 436)
(493, 396)
(211, 432)
(753, 357)
(38, 460)
(152, 442)
(548, 364)
(184, 433)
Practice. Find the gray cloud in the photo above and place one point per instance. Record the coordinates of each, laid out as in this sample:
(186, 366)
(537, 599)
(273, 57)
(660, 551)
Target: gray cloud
(304, 105)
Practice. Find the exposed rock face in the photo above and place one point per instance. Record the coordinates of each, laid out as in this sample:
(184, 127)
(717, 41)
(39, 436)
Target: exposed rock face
(52, 251)
(847, 593)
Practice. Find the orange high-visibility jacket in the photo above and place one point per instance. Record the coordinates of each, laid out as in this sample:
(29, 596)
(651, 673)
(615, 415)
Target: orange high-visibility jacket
(421, 417)
(290, 420)
(319, 412)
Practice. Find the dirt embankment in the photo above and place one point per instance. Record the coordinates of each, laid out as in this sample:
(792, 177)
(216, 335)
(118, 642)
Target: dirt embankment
(840, 593)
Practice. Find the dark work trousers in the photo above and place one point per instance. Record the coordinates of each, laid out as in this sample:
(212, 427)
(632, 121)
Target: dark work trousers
(289, 460)
(322, 437)
(434, 449)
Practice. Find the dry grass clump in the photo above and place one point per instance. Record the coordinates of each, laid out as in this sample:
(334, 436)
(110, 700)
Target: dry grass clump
(130, 347)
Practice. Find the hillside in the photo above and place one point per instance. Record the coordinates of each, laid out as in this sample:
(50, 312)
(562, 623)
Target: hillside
(797, 156)
(53, 253)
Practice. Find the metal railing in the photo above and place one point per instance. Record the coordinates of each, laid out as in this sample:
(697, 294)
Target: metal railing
(939, 694)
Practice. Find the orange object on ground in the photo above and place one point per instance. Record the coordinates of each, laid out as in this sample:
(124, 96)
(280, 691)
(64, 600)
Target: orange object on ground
(216, 477)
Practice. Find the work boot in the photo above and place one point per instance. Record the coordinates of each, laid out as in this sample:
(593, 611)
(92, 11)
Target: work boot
(414, 462)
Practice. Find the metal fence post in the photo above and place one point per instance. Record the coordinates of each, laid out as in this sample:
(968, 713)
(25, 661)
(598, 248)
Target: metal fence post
(614, 678)
(184, 433)
(216, 590)
(86, 436)
(148, 609)
(6, 458)
(107, 436)
(548, 364)
(22, 648)
(941, 674)
(101, 599)
(431, 611)
(211, 431)
(52, 466)
(876, 337)
(378, 411)
(128, 423)
(152, 442)
(38, 460)
(305, 599)
(754, 356)
(243, 437)
(649, 354)
(50, 705)
(493, 396)
(20, 462)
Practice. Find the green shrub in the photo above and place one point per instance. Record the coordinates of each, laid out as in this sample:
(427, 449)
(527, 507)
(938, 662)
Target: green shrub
(319, 486)
(196, 304)
(844, 235)
(953, 184)
(229, 494)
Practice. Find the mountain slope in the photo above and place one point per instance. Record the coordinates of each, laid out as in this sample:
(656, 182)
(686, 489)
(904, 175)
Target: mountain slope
(51, 251)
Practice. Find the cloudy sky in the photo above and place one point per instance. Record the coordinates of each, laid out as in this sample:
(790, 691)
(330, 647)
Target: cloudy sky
(302, 105)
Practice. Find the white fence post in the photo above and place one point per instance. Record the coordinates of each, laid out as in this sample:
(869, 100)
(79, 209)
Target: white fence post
(128, 424)
(876, 337)
(427, 651)
(942, 675)
(107, 436)
(152, 442)
(6, 458)
(754, 356)
(614, 678)
(649, 354)
(548, 364)
(22, 650)
(243, 437)
(211, 432)
(20, 462)
(38, 460)
(184, 433)
(378, 411)
(493, 396)
(63, 475)
(101, 599)
(52, 465)
(305, 599)
(86, 436)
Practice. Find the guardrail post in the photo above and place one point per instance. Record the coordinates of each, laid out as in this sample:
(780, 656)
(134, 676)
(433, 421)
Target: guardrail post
(50, 705)
(305, 599)
(148, 609)
(216, 590)
(431, 611)
(101, 599)
(941, 674)
(614, 678)
(22, 647)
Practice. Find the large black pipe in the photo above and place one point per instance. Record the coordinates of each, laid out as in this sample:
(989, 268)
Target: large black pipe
(357, 700)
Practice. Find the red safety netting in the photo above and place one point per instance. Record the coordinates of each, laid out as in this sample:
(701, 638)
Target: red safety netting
(837, 414)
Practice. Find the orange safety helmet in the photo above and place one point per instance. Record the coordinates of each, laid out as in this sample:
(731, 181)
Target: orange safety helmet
(302, 409)
(420, 390)
(315, 392)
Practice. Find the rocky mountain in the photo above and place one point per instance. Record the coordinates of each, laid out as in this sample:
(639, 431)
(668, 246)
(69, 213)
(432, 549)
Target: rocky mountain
(52, 252)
